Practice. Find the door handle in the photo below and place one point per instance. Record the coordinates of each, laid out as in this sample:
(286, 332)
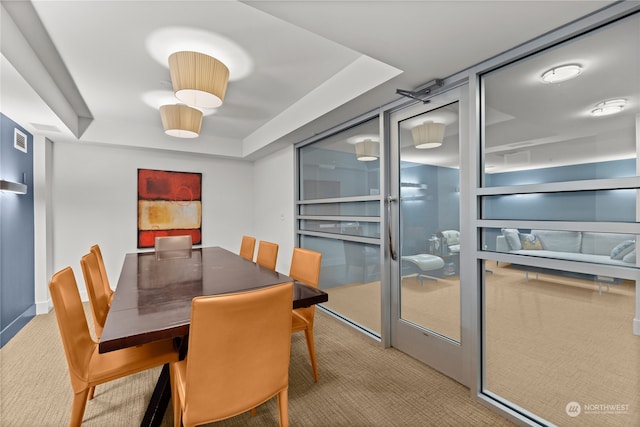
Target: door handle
(392, 251)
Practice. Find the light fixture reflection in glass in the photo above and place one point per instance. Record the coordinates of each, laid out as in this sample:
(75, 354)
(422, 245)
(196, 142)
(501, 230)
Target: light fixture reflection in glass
(367, 150)
(428, 135)
(609, 107)
(562, 73)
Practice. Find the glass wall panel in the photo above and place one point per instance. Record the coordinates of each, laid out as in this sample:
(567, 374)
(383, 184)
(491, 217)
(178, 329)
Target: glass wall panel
(542, 175)
(342, 165)
(339, 203)
(347, 228)
(542, 132)
(563, 206)
(558, 340)
(560, 346)
(371, 208)
(583, 246)
(350, 274)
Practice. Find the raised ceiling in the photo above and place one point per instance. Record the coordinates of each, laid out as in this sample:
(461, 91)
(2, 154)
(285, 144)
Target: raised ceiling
(314, 64)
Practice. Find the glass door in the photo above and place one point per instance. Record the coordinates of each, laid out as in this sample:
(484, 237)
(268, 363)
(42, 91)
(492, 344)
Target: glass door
(425, 216)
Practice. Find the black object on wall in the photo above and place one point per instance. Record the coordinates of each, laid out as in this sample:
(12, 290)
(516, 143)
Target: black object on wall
(17, 277)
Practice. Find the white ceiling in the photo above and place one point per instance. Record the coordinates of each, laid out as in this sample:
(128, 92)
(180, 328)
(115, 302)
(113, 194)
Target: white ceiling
(315, 64)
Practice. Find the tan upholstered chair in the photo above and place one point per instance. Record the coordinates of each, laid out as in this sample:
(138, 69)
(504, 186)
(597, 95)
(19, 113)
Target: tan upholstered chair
(100, 295)
(267, 254)
(103, 272)
(247, 247)
(173, 247)
(172, 243)
(87, 367)
(98, 299)
(305, 268)
(238, 358)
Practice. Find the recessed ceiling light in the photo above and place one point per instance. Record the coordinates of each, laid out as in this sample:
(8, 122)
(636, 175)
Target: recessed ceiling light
(561, 73)
(609, 107)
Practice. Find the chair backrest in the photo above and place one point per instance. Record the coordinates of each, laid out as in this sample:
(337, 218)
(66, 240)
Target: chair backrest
(254, 331)
(305, 266)
(173, 243)
(168, 247)
(451, 237)
(267, 254)
(98, 299)
(103, 271)
(74, 330)
(247, 247)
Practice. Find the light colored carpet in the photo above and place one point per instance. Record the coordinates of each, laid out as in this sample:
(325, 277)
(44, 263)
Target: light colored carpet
(361, 384)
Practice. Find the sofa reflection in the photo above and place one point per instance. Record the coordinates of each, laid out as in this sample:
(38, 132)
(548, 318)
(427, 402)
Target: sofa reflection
(582, 246)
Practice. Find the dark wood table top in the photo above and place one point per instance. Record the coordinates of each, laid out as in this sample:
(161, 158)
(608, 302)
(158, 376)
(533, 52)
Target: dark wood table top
(153, 296)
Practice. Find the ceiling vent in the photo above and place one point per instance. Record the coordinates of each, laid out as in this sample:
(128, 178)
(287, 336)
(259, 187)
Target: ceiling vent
(19, 140)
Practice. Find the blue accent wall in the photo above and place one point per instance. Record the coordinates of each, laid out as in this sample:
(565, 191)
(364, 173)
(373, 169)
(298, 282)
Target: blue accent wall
(425, 212)
(576, 206)
(604, 206)
(600, 170)
(17, 290)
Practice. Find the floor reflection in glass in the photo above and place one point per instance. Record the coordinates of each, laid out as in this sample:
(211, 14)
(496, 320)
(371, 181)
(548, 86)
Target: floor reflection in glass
(553, 340)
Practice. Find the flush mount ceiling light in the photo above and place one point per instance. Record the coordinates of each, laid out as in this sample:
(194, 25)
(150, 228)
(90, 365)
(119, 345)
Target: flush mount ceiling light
(609, 107)
(164, 41)
(367, 150)
(157, 98)
(561, 73)
(181, 120)
(428, 135)
(198, 79)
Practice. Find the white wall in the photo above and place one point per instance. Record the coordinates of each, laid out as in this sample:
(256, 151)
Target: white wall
(273, 216)
(94, 193)
(43, 221)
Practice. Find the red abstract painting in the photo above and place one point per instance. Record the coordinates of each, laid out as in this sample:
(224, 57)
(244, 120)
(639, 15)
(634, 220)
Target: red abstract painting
(169, 204)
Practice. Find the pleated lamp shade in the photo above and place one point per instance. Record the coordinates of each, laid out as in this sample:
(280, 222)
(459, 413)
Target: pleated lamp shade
(181, 120)
(428, 135)
(367, 150)
(198, 79)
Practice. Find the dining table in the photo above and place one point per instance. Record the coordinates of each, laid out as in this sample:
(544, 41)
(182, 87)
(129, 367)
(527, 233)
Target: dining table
(152, 300)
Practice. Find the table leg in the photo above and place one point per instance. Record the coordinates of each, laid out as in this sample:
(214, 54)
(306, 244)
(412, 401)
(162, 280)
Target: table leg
(159, 400)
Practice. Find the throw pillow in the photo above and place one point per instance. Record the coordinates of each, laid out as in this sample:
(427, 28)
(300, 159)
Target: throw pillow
(530, 241)
(512, 236)
(630, 257)
(622, 249)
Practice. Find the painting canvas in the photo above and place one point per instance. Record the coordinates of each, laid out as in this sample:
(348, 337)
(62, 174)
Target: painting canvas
(169, 204)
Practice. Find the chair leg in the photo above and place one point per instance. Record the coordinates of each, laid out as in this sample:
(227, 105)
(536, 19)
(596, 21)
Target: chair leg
(175, 399)
(78, 407)
(283, 407)
(312, 351)
(253, 412)
(92, 391)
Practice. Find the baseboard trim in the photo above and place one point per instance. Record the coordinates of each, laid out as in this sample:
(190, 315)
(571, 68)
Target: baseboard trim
(18, 323)
(43, 307)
